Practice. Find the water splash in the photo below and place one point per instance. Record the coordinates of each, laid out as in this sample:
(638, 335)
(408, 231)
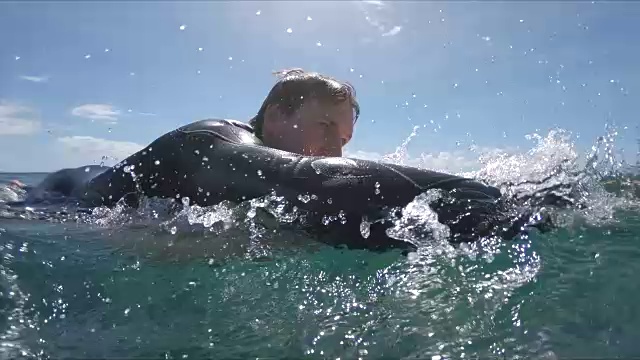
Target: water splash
(15, 314)
(401, 155)
(419, 223)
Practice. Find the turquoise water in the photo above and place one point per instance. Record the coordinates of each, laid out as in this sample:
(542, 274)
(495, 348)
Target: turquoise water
(146, 284)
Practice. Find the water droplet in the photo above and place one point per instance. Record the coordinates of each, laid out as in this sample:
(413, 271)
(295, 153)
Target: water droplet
(318, 43)
(182, 27)
(289, 30)
(87, 56)
(107, 50)
(230, 58)
(351, 70)
(455, 85)
(258, 12)
(365, 227)
(521, 20)
(343, 217)
(17, 57)
(200, 49)
(157, 162)
(309, 18)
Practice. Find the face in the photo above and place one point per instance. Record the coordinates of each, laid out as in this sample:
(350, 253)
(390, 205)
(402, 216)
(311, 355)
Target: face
(316, 129)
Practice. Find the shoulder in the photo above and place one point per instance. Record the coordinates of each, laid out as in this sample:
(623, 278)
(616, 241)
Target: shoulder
(226, 129)
(239, 124)
(215, 123)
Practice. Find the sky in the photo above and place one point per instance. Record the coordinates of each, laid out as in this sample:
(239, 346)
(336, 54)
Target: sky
(85, 82)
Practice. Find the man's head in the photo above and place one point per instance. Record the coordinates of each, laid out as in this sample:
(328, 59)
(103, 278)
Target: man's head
(307, 113)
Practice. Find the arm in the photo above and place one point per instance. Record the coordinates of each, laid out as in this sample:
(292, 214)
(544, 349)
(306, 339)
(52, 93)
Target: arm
(208, 163)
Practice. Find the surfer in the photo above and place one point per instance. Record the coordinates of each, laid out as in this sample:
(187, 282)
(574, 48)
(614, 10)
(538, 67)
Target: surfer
(292, 147)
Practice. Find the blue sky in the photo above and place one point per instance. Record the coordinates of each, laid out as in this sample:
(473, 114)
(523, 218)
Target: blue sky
(82, 80)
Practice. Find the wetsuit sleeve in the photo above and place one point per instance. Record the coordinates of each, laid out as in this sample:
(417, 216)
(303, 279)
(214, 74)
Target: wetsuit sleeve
(182, 163)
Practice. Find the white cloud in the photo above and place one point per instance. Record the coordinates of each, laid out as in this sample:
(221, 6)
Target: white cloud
(364, 155)
(378, 15)
(373, 2)
(83, 150)
(396, 29)
(101, 112)
(16, 119)
(36, 79)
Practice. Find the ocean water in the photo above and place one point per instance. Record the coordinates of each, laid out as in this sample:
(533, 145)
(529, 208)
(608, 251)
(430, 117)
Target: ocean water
(227, 282)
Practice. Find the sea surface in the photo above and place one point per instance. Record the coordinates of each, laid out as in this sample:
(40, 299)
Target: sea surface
(198, 283)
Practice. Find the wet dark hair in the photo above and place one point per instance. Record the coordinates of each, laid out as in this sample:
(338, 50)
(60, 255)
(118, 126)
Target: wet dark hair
(297, 85)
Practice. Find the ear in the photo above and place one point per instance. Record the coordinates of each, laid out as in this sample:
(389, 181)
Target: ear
(271, 113)
(272, 121)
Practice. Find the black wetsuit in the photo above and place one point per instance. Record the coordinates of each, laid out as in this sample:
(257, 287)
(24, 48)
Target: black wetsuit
(213, 160)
